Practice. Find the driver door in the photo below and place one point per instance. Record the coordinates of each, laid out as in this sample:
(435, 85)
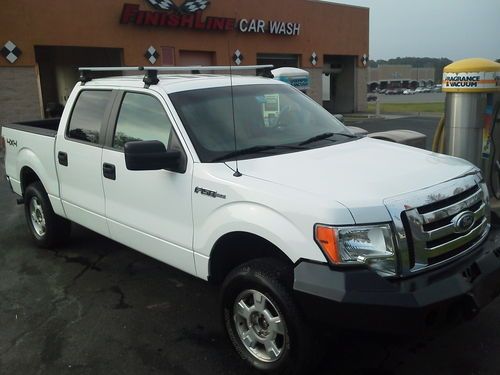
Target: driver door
(149, 211)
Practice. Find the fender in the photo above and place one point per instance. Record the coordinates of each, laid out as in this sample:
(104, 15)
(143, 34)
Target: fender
(256, 219)
(27, 158)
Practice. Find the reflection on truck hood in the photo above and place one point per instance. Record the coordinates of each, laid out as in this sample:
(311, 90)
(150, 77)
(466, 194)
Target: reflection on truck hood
(359, 174)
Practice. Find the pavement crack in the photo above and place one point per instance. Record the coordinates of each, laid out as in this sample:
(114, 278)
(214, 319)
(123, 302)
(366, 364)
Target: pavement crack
(89, 266)
(121, 303)
(84, 261)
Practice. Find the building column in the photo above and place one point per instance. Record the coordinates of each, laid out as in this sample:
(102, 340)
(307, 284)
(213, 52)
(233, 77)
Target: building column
(315, 84)
(361, 80)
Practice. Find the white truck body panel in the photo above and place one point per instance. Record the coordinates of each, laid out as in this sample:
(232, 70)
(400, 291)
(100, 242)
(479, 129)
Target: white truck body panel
(81, 185)
(36, 152)
(256, 206)
(151, 210)
(359, 175)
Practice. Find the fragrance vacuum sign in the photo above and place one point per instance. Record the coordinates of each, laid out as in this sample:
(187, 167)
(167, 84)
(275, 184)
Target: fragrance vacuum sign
(470, 81)
(189, 15)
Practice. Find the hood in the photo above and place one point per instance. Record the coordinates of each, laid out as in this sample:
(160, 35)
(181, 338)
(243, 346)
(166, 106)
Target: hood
(359, 174)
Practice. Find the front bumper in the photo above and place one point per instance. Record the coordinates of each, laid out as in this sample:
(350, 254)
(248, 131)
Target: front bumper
(358, 298)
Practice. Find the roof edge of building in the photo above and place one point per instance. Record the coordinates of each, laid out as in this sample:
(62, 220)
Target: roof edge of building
(328, 2)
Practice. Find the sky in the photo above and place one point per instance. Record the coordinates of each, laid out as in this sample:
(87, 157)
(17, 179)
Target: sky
(455, 29)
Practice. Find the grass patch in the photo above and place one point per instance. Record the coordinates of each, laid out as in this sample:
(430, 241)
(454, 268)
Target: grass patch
(407, 107)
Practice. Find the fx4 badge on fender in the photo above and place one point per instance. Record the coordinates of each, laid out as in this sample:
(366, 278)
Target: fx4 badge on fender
(210, 193)
(11, 142)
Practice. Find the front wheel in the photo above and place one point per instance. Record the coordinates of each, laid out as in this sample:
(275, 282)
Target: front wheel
(46, 228)
(262, 320)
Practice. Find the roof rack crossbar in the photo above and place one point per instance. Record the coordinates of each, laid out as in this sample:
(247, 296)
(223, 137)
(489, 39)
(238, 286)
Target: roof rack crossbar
(111, 68)
(202, 68)
(173, 68)
(151, 72)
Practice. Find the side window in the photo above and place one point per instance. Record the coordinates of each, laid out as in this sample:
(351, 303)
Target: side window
(87, 116)
(141, 118)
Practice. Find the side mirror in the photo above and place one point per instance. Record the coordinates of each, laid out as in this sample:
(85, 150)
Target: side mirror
(150, 156)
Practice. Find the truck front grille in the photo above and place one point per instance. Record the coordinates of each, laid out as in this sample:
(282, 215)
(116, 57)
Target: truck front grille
(430, 231)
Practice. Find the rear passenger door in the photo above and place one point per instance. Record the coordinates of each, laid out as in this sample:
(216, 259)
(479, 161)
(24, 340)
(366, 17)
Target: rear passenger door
(149, 211)
(78, 156)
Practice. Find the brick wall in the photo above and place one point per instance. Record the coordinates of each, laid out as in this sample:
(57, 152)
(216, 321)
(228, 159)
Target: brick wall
(19, 99)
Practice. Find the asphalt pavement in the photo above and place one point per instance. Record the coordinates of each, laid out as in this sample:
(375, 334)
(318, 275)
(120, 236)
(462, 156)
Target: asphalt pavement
(96, 307)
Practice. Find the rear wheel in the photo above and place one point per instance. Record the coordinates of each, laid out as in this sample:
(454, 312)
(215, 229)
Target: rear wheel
(262, 320)
(46, 228)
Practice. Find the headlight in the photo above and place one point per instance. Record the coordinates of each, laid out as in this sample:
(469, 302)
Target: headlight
(372, 245)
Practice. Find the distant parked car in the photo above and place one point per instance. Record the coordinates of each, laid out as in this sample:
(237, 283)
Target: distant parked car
(426, 90)
(419, 90)
(408, 92)
(390, 92)
(436, 88)
(371, 98)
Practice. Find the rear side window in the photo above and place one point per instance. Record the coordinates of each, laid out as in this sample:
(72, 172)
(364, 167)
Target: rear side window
(88, 115)
(141, 118)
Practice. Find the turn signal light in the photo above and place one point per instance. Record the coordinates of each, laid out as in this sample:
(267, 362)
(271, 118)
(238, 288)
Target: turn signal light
(326, 237)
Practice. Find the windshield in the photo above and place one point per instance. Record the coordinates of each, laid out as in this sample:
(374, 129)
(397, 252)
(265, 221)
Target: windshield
(269, 119)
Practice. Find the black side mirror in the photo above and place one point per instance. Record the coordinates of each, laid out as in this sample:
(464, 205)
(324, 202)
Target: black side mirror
(150, 156)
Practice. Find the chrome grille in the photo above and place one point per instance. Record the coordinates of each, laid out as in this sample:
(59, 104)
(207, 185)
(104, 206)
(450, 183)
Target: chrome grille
(426, 231)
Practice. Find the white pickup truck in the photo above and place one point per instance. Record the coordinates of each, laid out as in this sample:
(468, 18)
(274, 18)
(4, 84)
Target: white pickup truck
(246, 182)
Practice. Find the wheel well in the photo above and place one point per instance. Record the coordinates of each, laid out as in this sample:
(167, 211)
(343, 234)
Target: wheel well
(237, 248)
(28, 176)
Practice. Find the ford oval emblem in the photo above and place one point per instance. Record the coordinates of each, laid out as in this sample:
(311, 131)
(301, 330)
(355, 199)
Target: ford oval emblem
(463, 222)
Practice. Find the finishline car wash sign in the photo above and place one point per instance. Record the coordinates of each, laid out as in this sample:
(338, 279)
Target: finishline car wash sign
(188, 15)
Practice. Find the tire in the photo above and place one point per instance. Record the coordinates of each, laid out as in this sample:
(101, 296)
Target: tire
(262, 320)
(46, 228)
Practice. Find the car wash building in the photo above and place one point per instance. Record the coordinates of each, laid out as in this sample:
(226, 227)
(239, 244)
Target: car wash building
(43, 42)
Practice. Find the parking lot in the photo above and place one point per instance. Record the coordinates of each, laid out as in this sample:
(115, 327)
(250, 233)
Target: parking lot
(97, 307)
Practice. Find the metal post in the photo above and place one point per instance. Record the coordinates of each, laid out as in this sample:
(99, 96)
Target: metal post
(463, 127)
(466, 83)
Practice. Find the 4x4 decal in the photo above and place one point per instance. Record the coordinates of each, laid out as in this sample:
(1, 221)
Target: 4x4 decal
(11, 142)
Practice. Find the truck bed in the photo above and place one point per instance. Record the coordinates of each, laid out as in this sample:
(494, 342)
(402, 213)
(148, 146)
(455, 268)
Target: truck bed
(43, 127)
(32, 145)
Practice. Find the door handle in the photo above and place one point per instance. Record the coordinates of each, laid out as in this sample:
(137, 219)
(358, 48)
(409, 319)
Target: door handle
(63, 158)
(109, 171)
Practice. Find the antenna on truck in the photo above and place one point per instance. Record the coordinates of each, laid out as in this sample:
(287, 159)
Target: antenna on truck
(236, 173)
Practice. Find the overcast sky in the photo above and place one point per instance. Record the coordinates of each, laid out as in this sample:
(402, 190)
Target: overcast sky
(433, 28)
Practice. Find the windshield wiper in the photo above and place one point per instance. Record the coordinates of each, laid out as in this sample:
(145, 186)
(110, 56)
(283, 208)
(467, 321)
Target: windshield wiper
(255, 150)
(322, 136)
